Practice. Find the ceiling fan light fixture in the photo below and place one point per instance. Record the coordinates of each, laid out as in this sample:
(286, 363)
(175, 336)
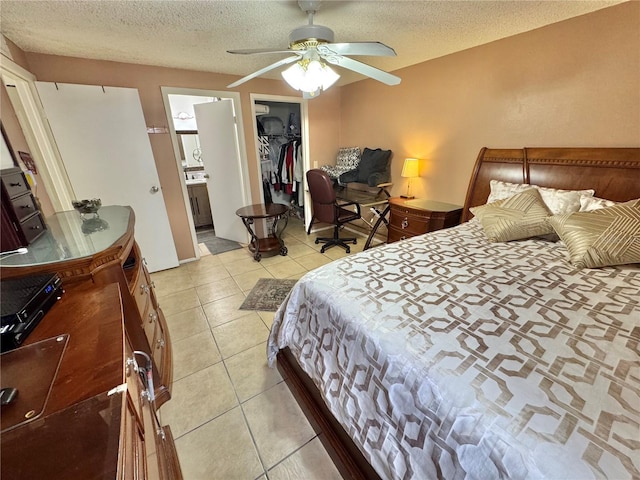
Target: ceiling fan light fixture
(310, 76)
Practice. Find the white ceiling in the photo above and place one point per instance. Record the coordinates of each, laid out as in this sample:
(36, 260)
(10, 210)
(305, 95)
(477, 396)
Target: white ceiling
(195, 34)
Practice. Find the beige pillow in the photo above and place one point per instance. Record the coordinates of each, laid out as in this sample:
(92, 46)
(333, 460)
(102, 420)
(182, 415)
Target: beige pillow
(558, 201)
(608, 236)
(589, 204)
(521, 216)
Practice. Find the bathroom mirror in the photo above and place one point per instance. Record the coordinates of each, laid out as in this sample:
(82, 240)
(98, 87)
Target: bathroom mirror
(189, 146)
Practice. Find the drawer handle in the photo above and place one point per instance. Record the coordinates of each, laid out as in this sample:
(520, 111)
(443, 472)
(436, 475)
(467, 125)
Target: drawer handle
(131, 364)
(25, 206)
(405, 223)
(35, 227)
(161, 343)
(152, 317)
(144, 289)
(15, 184)
(404, 237)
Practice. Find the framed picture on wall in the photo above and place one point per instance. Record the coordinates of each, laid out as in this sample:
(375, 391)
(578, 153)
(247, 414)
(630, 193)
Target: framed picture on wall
(28, 161)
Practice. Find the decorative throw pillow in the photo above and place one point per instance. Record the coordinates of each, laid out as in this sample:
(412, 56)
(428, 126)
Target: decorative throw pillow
(600, 238)
(558, 201)
(521, 216)
(589, 204)
(501, 190)
(563, 201)
(373, 168)
(348, 159)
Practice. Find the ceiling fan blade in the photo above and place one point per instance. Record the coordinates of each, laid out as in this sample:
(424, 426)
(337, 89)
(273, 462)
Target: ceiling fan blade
(257, 73)
(373, 49)
(252, 51)
(364, 69)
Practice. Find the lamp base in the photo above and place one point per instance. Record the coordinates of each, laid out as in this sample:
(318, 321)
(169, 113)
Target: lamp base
(409, 197)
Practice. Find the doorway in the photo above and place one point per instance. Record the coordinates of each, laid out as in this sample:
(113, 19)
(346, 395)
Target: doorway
(211, 201)
(277, 121)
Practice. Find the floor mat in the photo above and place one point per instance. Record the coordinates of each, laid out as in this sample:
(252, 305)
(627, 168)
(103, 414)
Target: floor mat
(268, 294)
(215, 244)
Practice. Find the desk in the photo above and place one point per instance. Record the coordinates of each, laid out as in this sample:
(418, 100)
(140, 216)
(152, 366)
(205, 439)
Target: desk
(376, 201)
(273, 241)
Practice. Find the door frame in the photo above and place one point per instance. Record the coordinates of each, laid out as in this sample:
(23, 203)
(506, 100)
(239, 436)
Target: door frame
(304, 131)
(244, 170)
(21, 88)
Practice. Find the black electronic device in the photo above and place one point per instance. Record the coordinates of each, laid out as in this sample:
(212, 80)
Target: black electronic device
(24, 302)
(8, 395)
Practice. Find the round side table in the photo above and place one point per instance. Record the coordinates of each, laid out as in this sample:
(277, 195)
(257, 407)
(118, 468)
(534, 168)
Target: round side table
(273, 241)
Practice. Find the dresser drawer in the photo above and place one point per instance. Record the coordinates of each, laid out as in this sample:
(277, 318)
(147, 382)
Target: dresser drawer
(33, 227)
(406, 222)
(24, 206)
(140, 289)
(15, 184)
(395, 234)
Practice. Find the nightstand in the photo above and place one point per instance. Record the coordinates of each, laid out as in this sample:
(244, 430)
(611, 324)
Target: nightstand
(411, 217)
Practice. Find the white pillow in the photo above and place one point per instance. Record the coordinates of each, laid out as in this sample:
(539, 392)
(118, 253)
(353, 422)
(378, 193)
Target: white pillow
(563, 201)
(589, 204)
(501, 190)
(558, 201)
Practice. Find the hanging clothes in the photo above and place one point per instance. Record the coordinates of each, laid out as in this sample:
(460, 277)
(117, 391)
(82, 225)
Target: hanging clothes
(289, 158)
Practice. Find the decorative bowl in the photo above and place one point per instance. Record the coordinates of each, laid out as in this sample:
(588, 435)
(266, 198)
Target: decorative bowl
(87, 206)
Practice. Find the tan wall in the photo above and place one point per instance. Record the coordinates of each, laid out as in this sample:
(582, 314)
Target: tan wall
(148, 80)
(574, 83)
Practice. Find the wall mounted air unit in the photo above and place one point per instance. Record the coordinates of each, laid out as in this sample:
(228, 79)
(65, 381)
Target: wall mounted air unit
(261, 109)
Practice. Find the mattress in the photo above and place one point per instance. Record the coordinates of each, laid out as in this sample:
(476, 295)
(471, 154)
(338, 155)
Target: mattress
(445, 356)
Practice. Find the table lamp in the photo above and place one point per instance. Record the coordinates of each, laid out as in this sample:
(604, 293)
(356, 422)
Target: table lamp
(410, 169)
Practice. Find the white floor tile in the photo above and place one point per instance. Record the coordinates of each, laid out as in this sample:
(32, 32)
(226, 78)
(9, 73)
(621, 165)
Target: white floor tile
(231, 415)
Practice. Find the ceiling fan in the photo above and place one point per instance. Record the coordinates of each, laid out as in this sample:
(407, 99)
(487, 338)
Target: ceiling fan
(312, 45)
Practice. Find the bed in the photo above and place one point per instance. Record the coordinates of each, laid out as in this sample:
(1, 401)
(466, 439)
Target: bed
(449, 356)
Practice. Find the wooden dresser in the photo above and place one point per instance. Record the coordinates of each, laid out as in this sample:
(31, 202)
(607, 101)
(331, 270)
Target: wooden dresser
(97, 420)
(411, 217)
(21, 218)
(104, 276)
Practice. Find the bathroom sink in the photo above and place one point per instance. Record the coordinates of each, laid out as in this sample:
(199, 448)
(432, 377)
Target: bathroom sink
(195, 181)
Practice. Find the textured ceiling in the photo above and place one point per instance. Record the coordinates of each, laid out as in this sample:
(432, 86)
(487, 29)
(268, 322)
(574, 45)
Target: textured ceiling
(196, 34)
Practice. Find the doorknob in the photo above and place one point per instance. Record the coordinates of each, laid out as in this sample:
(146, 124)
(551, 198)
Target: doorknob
(154, 189)
(206, 175)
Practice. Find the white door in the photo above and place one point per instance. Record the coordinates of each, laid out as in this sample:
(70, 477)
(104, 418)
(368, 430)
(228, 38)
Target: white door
(221, 159)
(103, 141)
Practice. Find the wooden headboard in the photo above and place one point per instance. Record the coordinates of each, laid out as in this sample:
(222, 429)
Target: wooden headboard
(614, 173)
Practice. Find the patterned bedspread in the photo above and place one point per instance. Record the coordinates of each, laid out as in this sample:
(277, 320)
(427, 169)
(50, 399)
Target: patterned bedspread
(445, 356)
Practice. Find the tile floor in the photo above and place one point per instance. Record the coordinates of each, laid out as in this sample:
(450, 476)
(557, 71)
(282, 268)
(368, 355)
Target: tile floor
(231, 415)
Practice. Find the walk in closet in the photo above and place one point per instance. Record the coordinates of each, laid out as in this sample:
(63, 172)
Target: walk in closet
(281, 154)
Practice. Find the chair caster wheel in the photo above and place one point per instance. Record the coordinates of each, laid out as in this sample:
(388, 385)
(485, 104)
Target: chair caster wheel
(317, 241)
(355, 242)
(348, 250)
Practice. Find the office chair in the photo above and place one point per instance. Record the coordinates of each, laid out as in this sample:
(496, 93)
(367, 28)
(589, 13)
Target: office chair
(327, 210)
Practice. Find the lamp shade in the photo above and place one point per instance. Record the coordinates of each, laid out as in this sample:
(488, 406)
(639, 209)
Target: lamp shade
(310, 76)
(411, 167)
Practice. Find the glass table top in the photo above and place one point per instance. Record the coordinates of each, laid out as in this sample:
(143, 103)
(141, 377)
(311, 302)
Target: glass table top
(71, 236)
